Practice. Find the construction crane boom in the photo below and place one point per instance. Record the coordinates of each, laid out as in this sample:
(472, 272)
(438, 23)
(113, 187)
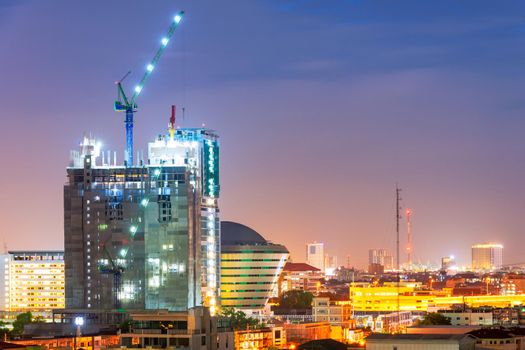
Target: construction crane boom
(116, 271)
(123, 104)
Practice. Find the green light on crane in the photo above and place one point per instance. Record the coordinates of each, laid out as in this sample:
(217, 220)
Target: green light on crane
(129, 106)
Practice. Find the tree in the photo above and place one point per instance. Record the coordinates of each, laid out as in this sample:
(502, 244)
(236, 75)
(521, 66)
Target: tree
(3, 329)
(126, 326)
(21, 320)
(434, 318)
(39, 319)
(238, 319)
(296, 299)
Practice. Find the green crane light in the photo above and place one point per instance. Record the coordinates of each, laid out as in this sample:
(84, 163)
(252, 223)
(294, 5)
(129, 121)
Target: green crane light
(123, 104)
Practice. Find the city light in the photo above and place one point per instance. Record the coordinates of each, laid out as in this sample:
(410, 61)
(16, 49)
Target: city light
(164, 41)
(177, 19)
(149, 67)
(79, 321)
(138, 89)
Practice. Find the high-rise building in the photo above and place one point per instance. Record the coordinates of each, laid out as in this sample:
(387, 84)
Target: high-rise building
(487, 256)
(447, 262)
(250, 267)
(382, 257)
(330, 265)
(315, 255)
(31, 281)
(147, 235)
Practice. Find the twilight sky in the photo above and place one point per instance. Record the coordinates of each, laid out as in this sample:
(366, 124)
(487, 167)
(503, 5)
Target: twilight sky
(322, 106)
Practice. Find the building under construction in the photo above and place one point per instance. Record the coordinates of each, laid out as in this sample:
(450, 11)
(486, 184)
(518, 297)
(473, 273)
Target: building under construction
(145, 236)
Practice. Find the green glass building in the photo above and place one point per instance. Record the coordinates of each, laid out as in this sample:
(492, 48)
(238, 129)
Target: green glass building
(250, 267)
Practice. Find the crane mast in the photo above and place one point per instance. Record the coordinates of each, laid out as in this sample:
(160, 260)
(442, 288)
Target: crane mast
(129, 106)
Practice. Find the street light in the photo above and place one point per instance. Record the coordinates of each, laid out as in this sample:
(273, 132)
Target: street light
(79, 321)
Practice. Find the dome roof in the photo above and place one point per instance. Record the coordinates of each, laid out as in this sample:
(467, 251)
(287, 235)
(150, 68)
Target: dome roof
(233, 233)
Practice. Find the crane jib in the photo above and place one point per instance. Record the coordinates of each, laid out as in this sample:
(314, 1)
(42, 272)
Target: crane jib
(123, 104)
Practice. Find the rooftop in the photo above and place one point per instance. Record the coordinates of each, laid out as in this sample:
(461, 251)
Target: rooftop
(491, 333)
(413, 337)
(233, 233)
(323, 344)
(299, 267)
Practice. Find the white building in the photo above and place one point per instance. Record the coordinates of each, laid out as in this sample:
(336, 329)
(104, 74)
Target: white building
(487, 256)
(469, 318)
(31, 281)
(315, 255)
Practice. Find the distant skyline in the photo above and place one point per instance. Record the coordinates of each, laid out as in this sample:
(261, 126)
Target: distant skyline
(322, 107)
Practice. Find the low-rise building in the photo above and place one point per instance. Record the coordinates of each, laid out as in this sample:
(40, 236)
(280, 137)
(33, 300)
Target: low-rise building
(440, 329)
(300, 276)
(370, 298)
(86, 342)
(493, 338)
(258, 339)
(379, 341)
(193, 329)
(31, 281)
(469, 317)
(299, 333)
(486, 316)
(336, 312)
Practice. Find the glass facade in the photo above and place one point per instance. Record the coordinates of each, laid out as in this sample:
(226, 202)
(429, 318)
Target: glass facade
(147, 236)
(250, 267)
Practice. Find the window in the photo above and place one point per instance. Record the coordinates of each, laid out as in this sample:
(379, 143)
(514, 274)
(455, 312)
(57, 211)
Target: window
(203, 340)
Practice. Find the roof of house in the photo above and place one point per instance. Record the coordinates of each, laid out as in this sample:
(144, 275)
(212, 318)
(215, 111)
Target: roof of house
(422, 337)
(289, 266)
(5, 345)
(323, 344)
(491, 333)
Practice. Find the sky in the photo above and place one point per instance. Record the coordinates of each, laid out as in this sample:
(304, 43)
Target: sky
(321, 106)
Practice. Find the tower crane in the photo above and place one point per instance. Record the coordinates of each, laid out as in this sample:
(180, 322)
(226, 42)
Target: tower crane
(129, 106)
(116, 271)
